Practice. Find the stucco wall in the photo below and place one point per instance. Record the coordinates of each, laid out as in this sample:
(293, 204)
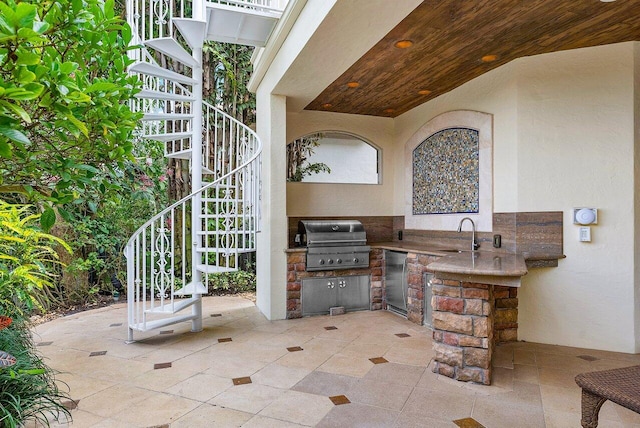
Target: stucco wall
(576, 148)
(636, 195)
(272, 236)
(321, 199)
(563, 138)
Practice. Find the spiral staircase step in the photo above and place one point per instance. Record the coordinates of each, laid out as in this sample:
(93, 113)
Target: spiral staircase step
(157, 71)
(170, 47)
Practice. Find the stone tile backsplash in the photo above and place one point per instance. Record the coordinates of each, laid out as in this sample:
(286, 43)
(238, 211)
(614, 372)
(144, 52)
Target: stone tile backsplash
(446, 172)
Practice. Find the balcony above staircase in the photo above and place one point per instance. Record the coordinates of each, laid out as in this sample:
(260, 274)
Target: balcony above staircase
(245, 22)
(242, 22)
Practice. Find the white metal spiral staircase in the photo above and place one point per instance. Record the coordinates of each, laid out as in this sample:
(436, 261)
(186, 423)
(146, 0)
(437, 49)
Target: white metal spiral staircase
(170, 258)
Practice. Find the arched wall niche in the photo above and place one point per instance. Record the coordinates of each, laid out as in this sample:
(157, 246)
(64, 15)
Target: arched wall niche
(482, 210)
(351, 158)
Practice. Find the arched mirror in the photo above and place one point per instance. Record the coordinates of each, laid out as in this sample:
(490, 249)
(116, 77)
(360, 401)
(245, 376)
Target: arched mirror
(333, 157)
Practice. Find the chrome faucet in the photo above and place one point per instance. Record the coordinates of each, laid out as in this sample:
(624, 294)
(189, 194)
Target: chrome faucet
(474, 244)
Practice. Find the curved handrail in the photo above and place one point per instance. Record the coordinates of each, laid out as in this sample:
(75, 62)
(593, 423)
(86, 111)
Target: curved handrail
(169, 250)
(257, 153)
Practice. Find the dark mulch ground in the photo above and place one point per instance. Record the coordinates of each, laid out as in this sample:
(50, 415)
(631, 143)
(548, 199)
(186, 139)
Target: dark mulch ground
(103, 301)
(52, 314)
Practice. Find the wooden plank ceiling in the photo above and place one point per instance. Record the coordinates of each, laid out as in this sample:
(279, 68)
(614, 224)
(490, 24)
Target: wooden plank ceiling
(450, 37)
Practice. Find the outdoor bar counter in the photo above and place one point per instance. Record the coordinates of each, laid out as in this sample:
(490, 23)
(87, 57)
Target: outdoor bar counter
(474, 302)
(496, 268)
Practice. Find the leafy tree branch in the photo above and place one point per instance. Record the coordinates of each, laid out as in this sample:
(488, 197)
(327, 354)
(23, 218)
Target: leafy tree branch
(65, 122)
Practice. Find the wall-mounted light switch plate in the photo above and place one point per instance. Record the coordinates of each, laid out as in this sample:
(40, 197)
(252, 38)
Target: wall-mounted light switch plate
(497, 241)
(585, 234)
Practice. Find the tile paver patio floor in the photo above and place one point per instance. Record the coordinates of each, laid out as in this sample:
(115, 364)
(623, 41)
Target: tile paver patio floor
(192, 384)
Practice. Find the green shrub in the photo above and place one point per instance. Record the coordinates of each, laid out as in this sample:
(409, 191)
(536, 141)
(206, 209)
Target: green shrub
(28, 261)
(28, 268)
(28, 390)
(64, 109)
(232, 282)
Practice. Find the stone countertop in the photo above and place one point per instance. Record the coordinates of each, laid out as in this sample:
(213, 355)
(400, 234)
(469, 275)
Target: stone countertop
(481, 263)
(472, 266)
(439, 250)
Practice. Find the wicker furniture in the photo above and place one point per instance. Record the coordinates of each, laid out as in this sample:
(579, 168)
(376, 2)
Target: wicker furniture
(622, 386)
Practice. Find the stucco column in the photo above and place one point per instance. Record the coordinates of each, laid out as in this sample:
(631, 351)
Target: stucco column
(272, 238)
(636, 194)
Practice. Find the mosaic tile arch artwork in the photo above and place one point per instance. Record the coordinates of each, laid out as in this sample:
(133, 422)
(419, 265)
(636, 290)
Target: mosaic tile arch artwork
(446, 173)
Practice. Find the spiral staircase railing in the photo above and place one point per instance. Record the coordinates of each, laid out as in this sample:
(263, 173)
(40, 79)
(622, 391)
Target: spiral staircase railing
(171, 257)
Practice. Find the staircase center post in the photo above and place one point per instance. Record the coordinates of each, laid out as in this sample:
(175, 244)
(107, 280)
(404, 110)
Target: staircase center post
(196, 182)
(198, 11)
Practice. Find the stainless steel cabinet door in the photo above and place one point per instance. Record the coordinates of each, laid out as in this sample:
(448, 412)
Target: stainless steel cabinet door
(353, 292)
(318, 295)
(396, 281)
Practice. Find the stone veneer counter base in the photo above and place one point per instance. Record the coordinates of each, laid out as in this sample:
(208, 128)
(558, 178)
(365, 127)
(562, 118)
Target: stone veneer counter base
(474, 307)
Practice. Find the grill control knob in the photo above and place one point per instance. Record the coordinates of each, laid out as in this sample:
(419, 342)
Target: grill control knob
(330, 261)
(356, 260)
(321, 261)
(339, 261)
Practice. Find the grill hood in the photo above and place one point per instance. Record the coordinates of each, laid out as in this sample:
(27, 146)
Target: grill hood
(331, 233)
(334, 244)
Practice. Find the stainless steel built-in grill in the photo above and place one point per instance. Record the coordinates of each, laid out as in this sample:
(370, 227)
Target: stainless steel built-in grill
(334, 244)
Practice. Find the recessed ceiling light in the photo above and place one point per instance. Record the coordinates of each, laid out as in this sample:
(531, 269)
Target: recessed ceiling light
(424, 92)
(403, 44)
(389, 110)
(607, 1)
(489, 58)
(353, 84)
(327, 105)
